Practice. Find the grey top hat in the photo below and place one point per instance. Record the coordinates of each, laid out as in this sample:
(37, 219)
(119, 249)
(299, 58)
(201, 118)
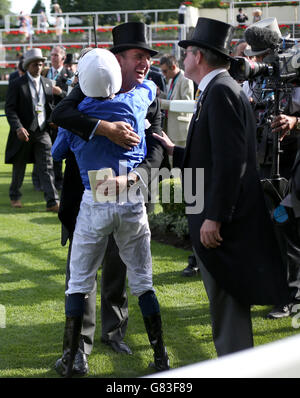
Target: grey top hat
(35, 54)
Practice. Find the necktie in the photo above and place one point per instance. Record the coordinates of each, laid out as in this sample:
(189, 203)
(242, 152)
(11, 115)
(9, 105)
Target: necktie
(35, 84)
(197, 95)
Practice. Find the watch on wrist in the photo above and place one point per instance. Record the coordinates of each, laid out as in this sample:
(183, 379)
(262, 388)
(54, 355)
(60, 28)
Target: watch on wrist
(130, 182)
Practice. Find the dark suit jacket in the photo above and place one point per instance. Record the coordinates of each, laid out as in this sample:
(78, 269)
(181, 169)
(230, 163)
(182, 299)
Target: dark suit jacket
(20, 113)
(61, 82)
(67, 116)
(221, 140)
(158, 79)
(13, 75)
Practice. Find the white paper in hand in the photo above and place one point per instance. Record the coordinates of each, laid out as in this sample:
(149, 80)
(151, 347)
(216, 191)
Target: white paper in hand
(98, 190)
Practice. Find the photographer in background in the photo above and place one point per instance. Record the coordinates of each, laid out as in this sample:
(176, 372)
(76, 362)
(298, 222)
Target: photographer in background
(241, 17)
(264, 37)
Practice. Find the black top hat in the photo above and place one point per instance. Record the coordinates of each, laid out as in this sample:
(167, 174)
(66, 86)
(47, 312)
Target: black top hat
(130, 35)
(212, 34)
(69, 60)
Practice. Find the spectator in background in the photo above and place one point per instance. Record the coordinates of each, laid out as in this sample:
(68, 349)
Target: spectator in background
(43, 22)
(241, 17)
(59, 76)
(181, 18)
(59, 22)
(70, 63)
(19, 72)
(256, 15)
(179, 88)
(239, 49)
(181, 13)
(21, 19)
(28, 27)
(28, 106)
(158, 78)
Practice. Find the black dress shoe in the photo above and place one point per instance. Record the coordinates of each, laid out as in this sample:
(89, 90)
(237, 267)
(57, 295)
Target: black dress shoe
(190, 270)
(281, 311)
(118, 346)
(81, 366)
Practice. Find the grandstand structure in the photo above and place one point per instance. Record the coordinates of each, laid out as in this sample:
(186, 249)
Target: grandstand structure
(13, 42)
(79, 31)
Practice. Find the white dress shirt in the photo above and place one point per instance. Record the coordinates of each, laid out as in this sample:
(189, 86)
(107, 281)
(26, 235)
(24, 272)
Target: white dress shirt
(38, 98)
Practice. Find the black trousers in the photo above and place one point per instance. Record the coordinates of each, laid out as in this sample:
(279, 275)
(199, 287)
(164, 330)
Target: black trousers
(58, 175)
(230, 320)
(40, 145)
(114, 301)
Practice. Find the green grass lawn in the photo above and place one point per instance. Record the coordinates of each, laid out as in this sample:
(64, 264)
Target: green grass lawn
(32, 274)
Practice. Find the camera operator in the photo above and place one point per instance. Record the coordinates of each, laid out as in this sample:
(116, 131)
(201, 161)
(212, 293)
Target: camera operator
(262, 42)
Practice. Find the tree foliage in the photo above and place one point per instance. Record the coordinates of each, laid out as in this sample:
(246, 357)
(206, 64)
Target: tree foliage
(4, 8)
(116, 5)
(39, 5)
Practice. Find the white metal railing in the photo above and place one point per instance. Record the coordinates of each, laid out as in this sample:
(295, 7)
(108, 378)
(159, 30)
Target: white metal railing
(67, 15)
(151, 32)
(279, 359)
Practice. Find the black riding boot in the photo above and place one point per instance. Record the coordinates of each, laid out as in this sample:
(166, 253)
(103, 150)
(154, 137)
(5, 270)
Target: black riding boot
(64, 365)
(155, 335)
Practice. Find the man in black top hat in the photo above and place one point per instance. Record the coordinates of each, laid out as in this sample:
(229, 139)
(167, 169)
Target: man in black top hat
(232, 233)
(133, 54)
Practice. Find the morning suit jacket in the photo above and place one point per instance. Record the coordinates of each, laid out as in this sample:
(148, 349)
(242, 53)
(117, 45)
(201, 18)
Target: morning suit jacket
(178, 122)
(158, 79)
(20, 113)
(222, 141)
(61, 82)
(66, 115)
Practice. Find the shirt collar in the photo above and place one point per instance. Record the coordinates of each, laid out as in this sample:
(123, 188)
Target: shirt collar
(58, 70)
(207, 78)
(37, 79)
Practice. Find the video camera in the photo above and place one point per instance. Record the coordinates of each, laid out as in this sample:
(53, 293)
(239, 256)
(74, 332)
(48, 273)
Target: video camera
(281, 64)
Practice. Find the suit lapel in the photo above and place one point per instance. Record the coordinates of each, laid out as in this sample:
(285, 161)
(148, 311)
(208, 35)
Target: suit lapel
(47, 89)
(196, 115)
(27, 93)
(176, 87)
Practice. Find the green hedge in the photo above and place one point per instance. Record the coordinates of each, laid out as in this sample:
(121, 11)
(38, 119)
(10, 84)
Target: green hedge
(3, 89)
(172, 219)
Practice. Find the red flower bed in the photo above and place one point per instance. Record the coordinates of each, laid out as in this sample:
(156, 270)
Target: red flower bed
(162, 44)
(167, 28)
(15, 32)
(41, 32)
(18, 48)
(104, 29)
(77, 30)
